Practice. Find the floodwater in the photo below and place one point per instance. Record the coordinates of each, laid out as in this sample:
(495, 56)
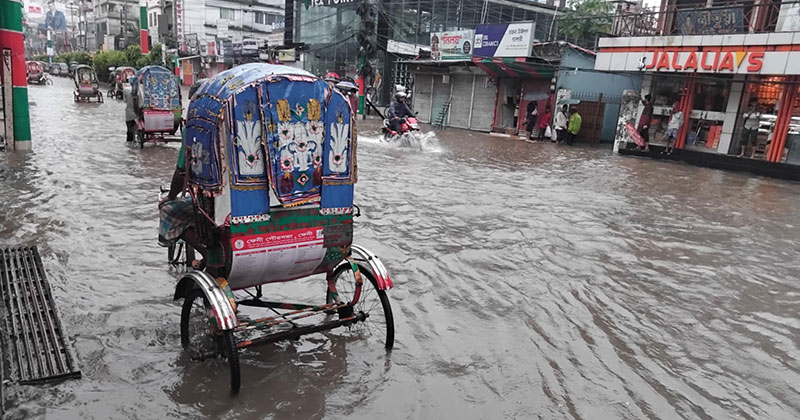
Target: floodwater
(532, 281)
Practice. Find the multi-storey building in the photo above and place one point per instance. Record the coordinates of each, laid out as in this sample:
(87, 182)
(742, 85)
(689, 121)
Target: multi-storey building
(116, 23)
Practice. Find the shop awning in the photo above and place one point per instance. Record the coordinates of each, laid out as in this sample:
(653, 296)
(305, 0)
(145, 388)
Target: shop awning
(517, 67)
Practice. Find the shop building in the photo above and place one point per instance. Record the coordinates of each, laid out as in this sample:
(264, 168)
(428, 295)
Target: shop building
(715, 63)
(324, 31)
(487, 93)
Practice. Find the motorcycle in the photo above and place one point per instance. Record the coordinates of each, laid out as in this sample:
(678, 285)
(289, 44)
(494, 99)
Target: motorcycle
(407, 125)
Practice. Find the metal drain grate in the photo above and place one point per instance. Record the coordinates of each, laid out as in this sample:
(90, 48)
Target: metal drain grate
(34, 340)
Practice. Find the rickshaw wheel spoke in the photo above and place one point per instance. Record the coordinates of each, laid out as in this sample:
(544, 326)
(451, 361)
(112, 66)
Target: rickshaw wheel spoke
(373, 302)
(201, 338)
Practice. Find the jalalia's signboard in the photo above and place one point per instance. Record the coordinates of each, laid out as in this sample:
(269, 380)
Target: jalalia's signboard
(454, 45)
(723, 60)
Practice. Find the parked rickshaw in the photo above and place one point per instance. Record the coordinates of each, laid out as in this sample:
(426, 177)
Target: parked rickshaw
(157, 102)
(86, 86)
(36, 74)
(271, 166)
(120, 80)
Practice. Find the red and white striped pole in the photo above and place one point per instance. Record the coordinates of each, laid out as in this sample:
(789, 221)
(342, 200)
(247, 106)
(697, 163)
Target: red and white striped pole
(12, 53)
(143, 26)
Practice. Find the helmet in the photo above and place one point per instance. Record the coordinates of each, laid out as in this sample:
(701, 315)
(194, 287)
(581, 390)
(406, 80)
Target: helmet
(400, 95)
(331, 77)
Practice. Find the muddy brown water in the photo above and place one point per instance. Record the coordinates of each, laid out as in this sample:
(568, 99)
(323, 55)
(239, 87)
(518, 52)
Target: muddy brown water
(532, 281)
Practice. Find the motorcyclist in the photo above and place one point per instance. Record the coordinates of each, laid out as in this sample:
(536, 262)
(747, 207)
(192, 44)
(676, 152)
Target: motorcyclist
(398, 111)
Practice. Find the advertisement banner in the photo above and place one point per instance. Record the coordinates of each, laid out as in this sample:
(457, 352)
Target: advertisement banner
(453, 45)
(504, 40)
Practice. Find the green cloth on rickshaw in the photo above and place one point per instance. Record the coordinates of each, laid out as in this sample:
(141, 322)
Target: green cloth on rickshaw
(182, 153)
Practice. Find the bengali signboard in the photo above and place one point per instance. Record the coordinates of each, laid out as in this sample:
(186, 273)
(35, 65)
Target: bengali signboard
(316, 3)
(504, 40)
(179, 25)
(729, 20)
(453, 45)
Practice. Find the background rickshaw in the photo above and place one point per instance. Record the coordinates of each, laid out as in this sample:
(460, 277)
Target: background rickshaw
(86, 86)
(271, 166)
(157, 102)
(119, 80)
(36, 73)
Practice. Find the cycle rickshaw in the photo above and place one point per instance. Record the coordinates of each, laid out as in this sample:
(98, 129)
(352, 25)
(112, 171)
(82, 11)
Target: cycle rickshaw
(157, 102)
(86, 86)
(271, 167)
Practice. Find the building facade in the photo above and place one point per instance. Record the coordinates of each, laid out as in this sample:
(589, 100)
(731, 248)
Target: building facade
(325, 30)
(733, 70)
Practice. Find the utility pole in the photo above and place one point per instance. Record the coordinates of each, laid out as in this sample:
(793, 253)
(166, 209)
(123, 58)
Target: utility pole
(367, 49)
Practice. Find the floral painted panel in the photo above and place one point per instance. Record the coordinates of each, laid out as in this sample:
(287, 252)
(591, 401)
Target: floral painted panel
(339, 145)
(202, 157)
(295, 110)
(248, 158)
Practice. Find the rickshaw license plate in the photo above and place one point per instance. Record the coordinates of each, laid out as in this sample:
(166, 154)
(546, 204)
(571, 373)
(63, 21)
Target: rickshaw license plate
(158, 121)
(276, 256)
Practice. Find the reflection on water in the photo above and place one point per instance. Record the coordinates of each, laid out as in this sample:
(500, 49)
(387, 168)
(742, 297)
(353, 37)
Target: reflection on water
(532, 281)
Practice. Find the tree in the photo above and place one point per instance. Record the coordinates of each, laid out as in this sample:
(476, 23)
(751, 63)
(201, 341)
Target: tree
(585, 20)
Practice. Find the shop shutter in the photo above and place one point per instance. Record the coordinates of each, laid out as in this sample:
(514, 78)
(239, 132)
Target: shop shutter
(441, 96)
(483, 104)
(462, 93)
(422, 97)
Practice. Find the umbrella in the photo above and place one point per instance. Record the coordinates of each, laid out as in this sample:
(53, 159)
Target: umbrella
(569, 101)
(535, 96)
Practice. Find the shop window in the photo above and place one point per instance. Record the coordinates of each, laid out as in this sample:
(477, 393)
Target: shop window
(764, 94)
(259, 18)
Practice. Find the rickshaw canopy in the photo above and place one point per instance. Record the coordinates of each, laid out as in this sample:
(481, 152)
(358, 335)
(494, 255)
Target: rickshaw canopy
(156, 89)
(85, 76)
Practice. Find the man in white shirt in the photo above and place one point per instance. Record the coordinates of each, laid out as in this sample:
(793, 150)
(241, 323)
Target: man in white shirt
(751, 118)
(673, 126)
(561, 124)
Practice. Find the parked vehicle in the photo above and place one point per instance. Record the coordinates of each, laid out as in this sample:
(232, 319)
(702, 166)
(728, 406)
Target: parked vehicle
(86, 86)
(63, 70)
(274, 211)
(72, 66)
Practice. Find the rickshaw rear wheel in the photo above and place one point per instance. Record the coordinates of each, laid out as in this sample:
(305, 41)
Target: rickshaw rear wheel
(197, 314)
(119, 95)
(373, 302)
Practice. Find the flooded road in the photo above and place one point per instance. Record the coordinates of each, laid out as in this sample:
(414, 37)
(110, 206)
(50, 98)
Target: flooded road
(532, 281)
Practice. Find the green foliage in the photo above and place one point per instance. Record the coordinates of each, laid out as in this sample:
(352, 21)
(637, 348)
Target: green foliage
(82, 57)
(583, 20)
(129, 57)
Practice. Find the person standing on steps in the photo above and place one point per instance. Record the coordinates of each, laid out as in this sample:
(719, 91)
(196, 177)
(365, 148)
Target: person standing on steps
(751, 118)
(644, 123)
(561, 124)
(574, 126)
(530, 119)
(673, 126)
(544, 122)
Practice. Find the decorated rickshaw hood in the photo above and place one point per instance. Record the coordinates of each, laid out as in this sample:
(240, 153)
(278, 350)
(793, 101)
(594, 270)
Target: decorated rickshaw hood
(156, 88)
(261, 127)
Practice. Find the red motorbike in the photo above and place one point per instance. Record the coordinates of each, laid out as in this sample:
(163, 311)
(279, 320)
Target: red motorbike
(407, 125)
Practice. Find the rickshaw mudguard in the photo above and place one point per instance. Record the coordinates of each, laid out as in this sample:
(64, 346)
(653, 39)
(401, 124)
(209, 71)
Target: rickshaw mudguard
(375, 265)
(219, 296)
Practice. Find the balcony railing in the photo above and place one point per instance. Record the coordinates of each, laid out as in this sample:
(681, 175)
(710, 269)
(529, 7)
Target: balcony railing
(737, 17)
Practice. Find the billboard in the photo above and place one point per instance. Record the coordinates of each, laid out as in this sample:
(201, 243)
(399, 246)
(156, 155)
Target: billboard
(453, 45)
(504, 40)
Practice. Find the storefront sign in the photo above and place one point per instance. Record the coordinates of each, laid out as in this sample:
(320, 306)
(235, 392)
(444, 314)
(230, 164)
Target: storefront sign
(316, 3)
(504, 40)
(708, 61)
(454, 45)
(179, 25)
(286, 56)
(729, 20)
(275, 39)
